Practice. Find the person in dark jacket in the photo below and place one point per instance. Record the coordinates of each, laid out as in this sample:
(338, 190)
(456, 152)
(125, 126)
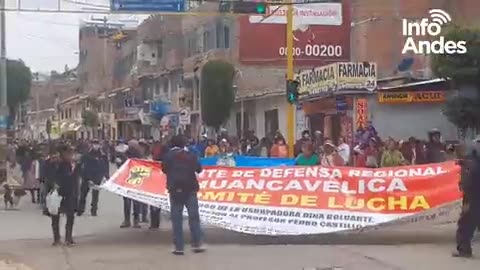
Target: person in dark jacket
(66, 183)
(435, 151)
(95, 167)
(155, 212)
(469, 219)
(180, 167)
(298, 145)
(49, 172)
(134, 151)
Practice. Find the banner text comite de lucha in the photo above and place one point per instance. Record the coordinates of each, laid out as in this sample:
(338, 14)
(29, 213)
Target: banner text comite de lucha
(300, 200)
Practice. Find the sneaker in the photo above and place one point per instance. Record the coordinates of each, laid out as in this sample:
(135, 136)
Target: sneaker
(125, 224)
(70, 243)
(199, 249)
(136, 225)
(458, 254)
(56, 243)
(79, 214)
(178, 252)
(153, 228)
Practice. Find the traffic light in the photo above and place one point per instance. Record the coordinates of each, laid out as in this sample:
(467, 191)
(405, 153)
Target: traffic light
(292, 91)
(240, 7)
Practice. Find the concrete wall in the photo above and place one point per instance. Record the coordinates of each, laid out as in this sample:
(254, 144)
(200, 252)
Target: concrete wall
(255, 110)
(401, 121)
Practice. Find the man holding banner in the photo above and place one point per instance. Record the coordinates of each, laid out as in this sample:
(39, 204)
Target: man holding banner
(181, 166)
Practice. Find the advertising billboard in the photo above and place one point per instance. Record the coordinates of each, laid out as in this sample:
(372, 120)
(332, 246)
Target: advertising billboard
(314, 45)
(338, 76)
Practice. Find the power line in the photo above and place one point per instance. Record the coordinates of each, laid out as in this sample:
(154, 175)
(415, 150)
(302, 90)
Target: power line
(86, 4)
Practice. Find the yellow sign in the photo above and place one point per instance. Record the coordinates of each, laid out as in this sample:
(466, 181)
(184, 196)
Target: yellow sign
(411, 97)
(338, 76)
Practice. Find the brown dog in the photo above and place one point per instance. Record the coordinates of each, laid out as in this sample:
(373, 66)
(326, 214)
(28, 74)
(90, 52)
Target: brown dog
(12, 196)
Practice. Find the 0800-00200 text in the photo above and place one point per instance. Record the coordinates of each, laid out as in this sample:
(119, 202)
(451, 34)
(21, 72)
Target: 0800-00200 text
(314, 50)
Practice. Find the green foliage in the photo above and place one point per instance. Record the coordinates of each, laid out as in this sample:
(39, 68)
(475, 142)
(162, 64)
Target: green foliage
(19, 81)
(463, 112)
(217, 93)
(90, 119)
(462, 70)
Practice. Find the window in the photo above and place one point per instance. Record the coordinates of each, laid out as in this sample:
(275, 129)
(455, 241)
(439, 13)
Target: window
(239, 123)
(159, 49)
(192, 46)
(218, 35)
(165, 88)
(226, 37)
(206, 41)
(156, 85)
(271, 122)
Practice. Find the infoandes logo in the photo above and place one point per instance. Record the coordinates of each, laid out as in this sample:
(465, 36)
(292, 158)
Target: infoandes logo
(431, 26)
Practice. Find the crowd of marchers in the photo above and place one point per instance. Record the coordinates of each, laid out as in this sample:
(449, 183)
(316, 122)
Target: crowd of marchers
(366, 149)
(74, 168)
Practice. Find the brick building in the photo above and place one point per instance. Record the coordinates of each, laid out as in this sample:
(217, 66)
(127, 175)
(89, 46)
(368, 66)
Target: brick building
(377, 37)
(377, 29)
(96, 56)
(45, 94)
(173, 51)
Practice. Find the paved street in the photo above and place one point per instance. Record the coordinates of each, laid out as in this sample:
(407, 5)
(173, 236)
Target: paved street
(102, 245)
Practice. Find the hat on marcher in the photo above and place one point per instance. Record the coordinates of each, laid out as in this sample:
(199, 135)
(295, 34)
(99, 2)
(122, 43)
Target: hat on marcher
(330, 143)
(434, 131)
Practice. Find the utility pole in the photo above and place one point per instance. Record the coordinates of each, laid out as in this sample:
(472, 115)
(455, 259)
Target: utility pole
(290, 75)
(3, 91)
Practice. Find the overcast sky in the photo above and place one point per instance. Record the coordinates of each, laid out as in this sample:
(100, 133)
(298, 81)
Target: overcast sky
(45, 41)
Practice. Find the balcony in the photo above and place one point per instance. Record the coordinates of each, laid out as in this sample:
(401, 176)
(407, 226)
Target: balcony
(197, 60)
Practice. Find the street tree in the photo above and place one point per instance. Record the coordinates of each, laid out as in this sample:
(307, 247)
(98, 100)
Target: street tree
(217, 92)
(90, 114)
(19, 81)
(463, 71)
(90, 119)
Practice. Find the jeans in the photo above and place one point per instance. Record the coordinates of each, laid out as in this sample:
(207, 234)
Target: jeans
(179, 200)
(467, 224)
(144, 211)
(84, 189)
(154, 217)
(68, 226)
(127, 209)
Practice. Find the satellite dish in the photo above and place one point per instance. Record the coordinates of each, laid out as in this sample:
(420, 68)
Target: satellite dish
(406, 64)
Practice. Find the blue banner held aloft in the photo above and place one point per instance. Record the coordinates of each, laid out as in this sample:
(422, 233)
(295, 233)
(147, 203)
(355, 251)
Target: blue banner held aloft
(246, 161)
